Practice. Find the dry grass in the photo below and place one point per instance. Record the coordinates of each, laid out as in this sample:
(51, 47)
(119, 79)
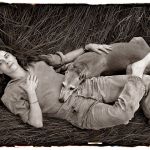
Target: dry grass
(28, 30)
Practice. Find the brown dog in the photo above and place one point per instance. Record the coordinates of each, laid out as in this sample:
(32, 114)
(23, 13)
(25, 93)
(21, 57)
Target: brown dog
(92, 64)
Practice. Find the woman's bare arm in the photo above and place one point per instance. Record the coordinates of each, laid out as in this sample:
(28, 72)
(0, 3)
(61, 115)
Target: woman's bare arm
(98, 48)
(59, 59)
(71, 56)
(35, 114)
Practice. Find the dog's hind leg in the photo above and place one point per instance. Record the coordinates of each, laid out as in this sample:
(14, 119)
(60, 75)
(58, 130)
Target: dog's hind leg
(140, 41)
(98, 68)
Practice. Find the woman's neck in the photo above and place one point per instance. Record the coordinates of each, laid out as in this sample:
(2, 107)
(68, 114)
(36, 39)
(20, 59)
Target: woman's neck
(19, 73)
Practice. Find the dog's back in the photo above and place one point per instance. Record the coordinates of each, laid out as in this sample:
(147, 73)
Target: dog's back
(118, 59)
(124, 54)
(92, 64)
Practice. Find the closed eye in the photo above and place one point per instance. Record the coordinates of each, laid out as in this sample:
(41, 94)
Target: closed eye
(6, 55)
(72, 88)
(63, 84)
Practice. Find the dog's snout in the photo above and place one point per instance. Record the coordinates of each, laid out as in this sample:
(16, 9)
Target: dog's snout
(61, 96)
(61, 100)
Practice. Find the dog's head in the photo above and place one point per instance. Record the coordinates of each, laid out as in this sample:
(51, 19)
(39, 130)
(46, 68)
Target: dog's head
(73, 77)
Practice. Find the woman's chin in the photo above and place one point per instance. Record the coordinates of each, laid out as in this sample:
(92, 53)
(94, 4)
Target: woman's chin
(14, 67)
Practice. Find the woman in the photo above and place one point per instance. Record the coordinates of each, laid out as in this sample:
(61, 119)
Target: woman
(35, 90)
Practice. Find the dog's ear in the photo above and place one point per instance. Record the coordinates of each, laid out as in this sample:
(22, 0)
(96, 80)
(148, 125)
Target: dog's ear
(63, 68)
(83, 75)
(70, 66)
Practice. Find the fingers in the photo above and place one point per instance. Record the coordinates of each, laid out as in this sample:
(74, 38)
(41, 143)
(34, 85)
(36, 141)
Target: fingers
(99, 48)
(98, 51)
(105, 48)
(108, 47)
(36, 80)
(32, 78)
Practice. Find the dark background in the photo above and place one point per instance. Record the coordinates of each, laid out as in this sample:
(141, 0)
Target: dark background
(30, 30)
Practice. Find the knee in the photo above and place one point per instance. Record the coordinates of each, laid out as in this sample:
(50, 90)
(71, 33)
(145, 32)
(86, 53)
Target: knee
(125, 117)
(137, 39)
(126, 110)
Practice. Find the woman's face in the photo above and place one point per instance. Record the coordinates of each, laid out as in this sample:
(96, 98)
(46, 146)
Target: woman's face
(8, 63)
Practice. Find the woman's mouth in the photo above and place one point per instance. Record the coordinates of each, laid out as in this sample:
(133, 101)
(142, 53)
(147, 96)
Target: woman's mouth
(11, 65)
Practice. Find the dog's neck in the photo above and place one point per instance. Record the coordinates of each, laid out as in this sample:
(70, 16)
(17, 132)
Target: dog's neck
(79, 67)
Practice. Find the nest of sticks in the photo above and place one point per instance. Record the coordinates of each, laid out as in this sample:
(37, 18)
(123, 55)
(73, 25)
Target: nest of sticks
(30, 30)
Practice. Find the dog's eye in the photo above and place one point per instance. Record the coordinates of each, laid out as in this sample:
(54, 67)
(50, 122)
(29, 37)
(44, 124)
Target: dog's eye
(63, 84)
(72, 88)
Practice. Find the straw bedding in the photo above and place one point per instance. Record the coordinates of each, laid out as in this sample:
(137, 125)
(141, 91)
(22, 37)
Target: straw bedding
(29, 30)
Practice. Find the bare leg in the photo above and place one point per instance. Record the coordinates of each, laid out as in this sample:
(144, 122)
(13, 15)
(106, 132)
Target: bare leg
(139, 66)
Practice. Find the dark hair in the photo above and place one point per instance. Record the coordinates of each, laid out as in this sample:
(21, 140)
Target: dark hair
(24, 60)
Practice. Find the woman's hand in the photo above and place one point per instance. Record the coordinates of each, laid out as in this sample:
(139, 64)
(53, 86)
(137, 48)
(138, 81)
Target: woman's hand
(31, 83)
(98, 48)
(35, 114)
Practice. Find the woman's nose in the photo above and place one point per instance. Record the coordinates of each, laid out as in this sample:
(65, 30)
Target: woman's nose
(8, 63)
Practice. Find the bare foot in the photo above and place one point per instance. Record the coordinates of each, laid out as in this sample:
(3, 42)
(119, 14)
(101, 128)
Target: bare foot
(138, 68)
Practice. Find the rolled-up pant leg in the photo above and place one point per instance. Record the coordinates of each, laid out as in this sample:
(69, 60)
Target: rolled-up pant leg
(103, 115)
(110, 87)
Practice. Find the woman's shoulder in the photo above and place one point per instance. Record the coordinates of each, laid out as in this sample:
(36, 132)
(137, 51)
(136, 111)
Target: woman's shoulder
(39, 64)
(14, 88)
(14, 97)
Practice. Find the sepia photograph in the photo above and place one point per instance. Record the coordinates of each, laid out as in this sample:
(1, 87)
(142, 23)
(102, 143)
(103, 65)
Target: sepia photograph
(74, 74)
